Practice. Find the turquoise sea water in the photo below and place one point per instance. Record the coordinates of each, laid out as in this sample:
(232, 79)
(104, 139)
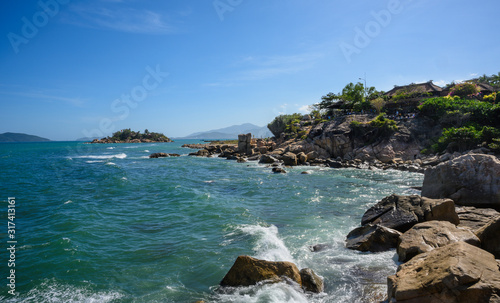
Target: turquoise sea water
(104, 223)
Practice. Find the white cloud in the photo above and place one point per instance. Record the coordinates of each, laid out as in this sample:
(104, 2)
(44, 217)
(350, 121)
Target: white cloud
(440, 82)
(305, 109)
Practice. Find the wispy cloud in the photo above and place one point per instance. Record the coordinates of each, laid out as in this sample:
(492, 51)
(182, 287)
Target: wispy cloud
(119, 19)
(40, 95)
(253, 68)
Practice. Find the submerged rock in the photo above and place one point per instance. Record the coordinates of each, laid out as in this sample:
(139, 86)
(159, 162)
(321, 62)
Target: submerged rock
(402, 212)
(374, 238)
(427, 236)
(470, 180)
(163, 155)
(319, 247)
(455, 273)
(278, 170)
(311, 281)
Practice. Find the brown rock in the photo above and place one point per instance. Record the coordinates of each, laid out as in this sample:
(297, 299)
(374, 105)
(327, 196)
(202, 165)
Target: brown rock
(490, 236)
(475, 218)
(311, 281)
(290, 159)
(455, 273)
(248, 271)
(267, 159)
(402, 212)
(470, 180)
(278, 170)
(427, 236)
(302, 158)
(373, 238)
(158, 155)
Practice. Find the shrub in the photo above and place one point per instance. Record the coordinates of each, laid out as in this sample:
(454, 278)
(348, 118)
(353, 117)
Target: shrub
(467, 137)
(483, 113)
(462, 138)
(491, 97)
(385, 125)
(464, 90)
(280, 123)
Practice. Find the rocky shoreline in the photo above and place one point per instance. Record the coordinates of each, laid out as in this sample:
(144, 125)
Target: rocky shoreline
(449, 238)
(449, 241)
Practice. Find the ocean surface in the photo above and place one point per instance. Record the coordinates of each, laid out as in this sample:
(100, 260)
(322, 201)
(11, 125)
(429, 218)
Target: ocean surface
(104, 223)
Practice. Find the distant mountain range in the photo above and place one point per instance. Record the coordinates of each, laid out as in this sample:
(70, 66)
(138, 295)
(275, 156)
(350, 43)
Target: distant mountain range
(232, 132)
(17, 137)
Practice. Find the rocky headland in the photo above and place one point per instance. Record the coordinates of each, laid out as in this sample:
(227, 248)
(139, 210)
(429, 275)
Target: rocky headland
(346, 141)
(448, 237)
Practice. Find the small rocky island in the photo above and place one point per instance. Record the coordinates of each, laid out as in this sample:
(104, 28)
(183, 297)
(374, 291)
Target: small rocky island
(129, 136)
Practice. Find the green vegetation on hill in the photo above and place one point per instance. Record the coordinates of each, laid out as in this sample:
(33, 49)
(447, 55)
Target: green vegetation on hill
(467, 123)
(469, 114)
(127, 135)
(283, 122)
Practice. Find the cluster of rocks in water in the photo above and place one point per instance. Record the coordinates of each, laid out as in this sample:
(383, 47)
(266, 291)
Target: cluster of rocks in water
(450, 240)
(290, 154)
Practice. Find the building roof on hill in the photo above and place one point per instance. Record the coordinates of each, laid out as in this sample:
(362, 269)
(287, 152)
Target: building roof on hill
(426, 87)
(485, 87)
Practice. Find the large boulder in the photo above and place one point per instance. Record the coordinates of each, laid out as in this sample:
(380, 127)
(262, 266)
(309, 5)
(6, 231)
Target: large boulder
(290, 159)
(471, 180)
(402, 212)
(490, 236)
(455, 273)
(427, 236)
(374, 238)
(475, 218)
(248, 271)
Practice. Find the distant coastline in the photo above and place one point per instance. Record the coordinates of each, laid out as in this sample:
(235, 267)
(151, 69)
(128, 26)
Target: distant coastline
(20, 137)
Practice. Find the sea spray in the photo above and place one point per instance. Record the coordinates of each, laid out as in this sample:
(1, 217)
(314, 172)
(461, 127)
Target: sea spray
(268, 246)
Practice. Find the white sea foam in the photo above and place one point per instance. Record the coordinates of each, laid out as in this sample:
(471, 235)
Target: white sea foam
(51, 291)
(94, 161)
(105, 157)
(268, 244)
(111, 163)
(146, 151)
(111, 147)
(67, 202)
(272, 293)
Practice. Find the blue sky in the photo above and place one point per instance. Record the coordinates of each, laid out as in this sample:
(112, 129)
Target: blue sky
(73, 68)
